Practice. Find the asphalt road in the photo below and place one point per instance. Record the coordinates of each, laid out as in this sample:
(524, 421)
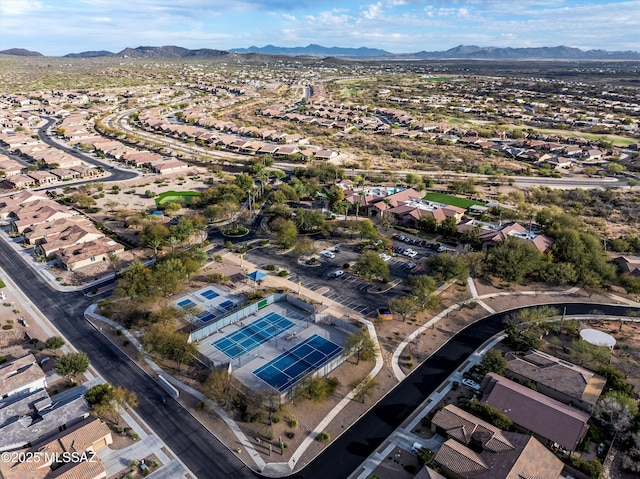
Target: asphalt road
(195, 445)
(200, 450)
(115, 173)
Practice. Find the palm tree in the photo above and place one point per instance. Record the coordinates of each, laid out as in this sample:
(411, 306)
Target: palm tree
(172, 241)
(155, 244)
(113, 259)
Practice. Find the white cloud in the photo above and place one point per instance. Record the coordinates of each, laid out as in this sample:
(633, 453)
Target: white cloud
(289, 18)
(372, 11)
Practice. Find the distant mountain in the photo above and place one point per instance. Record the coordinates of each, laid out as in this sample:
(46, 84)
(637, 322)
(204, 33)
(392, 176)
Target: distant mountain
(20, 52)
(314, 50)
(169, 52)
(541, 53)
(90, 54)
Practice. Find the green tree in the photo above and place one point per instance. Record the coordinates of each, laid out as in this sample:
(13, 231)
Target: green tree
(308, 220)
(371, 265)
(168, 274)
(72, 364)
(367, 230)
(512, 260)
(285, 232)
(404, 306)
(336, 199)
(422, 287)
(361, 345)
(244, 182)
(445, 266)
(136, 282)
(448, 227)
(493, 362)
(428, 224)
(53, 343)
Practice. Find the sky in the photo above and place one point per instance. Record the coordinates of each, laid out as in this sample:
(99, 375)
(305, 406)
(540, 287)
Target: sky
(58, 27)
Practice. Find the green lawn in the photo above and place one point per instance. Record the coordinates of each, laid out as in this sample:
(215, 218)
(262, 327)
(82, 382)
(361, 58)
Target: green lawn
(184, 196)
(451, 200)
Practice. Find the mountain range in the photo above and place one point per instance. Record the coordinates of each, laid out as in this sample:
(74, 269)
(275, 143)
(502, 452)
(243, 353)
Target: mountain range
(459, 52)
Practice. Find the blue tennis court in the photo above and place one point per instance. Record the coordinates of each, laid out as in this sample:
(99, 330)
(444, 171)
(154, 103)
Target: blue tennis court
(186, 304)
(209, 294)
(288, 368)
(227, 305)
(249, 337)
(205, 316)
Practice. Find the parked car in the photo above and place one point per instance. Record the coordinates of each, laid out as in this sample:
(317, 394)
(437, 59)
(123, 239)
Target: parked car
(410, 265)
(385, 257)
(412, 254)
(471, 384)
(336, 274)
(328, 254)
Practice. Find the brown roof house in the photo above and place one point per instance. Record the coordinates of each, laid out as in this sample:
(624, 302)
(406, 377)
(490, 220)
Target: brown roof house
(629, 264)
(515, 230)
(80, 256)
(548, 419)
(79, 441)
(558, 379)
(476, 449)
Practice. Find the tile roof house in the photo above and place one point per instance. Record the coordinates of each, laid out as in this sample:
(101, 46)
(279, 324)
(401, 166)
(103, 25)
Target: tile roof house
(558, 379)
(475, 449)
(21, 375)
(528, 459)
(39, 233)
(82, 439)
(629, 264)
(79, 256)
(37, 212)
(533, 412)
(72, 236)
(515, 230)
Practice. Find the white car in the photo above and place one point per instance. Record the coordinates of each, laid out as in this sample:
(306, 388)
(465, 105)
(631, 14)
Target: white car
(412, 254)
(328, 254)
(336, 274)
(471, 384)
(385, 257)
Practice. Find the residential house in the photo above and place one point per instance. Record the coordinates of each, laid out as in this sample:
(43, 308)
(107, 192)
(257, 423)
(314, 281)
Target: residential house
(71, 236)
(532, 412)
(21, 375)
(629, 264)
(556, 378)
(475, 449)
(43, 177)
(27, 419)
(515, 230)
(80, 256)
(169, 166)
(37, 212)
(40, 233)
(20, 181)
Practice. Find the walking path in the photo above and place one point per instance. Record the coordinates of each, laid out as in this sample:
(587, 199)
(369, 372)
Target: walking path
(395, 362)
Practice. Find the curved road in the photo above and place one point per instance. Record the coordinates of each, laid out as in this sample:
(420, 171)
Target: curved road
(197, 448)
(115, 173)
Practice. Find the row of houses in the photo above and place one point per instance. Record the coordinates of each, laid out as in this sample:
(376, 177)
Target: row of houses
(552, 418)
(44, 432)
(56, 231)
(243, 140)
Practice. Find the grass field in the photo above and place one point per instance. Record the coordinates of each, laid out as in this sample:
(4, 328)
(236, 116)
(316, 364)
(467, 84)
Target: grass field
(451, 200)
(179, 196)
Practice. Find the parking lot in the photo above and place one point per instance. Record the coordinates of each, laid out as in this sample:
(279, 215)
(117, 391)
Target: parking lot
(347, 289)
